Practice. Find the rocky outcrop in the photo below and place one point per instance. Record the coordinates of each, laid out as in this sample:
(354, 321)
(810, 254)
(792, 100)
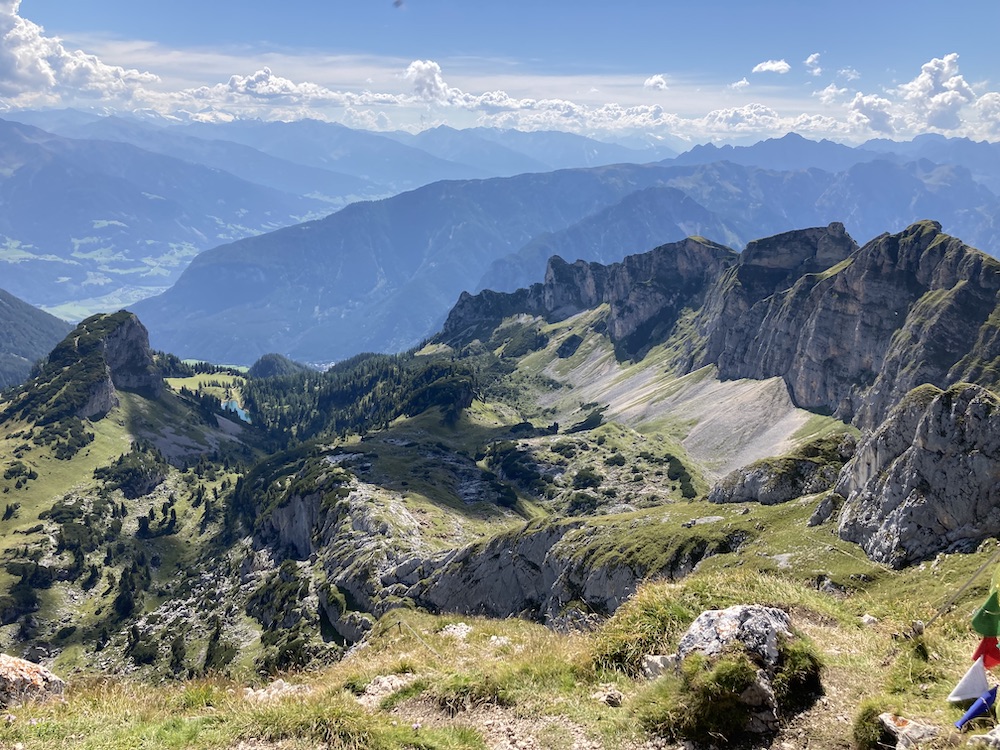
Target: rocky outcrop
(849, 330)
(905, 309)
(771, 686)
(813, 468)
(645, 294)
(928, 479)
(773, 481)
(552, 572)
(83, 373)
(755, 628)
(22, 681)
(118, 347)
(128, 356)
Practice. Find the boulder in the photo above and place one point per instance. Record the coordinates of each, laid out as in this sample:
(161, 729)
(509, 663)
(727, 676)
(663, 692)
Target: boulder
(906, 732)
(755, 627)
(760, 631)
(22, 680)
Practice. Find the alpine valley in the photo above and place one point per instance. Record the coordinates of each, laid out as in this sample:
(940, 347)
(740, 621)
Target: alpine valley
(512, 527)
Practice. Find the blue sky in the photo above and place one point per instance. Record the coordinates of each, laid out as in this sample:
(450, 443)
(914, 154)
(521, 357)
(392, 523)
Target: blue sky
(682, 71)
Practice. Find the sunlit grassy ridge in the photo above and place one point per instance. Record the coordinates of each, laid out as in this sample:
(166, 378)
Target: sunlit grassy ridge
(454, 672)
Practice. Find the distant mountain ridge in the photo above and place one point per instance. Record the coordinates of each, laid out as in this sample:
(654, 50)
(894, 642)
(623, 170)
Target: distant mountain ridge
(83, 219)
(381, 276)
(850, 330)
(26, 335)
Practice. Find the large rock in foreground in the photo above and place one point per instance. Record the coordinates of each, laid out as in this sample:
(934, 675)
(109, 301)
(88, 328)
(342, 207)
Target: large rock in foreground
(928, 479)
(756, 628)
(22, 680)
(737, 671)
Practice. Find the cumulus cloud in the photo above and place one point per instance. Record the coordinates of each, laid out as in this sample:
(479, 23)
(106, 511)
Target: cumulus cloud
(748, 118)
(872, 112)
(772, 66)
(939, 92)
(428, 82)
(830, 94)
(988, 107)
(36, 70)
(657, 82)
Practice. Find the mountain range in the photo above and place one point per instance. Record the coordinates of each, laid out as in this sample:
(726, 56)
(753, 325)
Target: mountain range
(720, 367)
(101, 211)
(809, 414)
(27, 335)
(380, 276)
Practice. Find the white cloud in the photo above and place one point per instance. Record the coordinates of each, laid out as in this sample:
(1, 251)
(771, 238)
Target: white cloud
(772, 66)
(382, 93)
(657, 82)
(830, 94)
(428, 83)
(748, 118)
(872, 112)
(36, 70)
(988, 107)
(938, 94)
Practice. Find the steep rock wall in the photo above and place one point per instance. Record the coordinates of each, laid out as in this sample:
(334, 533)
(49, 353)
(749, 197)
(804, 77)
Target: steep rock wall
(928, 479)
(905, 309)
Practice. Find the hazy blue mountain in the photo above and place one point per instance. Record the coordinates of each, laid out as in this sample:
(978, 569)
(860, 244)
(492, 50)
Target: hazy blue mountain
(643, 219)
(326, 145)
(472, 148)
(54, 120)
(878, 196)
(559, 150)
(242, 161)
(374, 276)
(84, 219)
(26, 335)
(380, 276)
(981, 158)
(789, 152)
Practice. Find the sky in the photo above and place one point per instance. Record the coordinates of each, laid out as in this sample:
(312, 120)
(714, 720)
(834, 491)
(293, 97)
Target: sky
(681, 72)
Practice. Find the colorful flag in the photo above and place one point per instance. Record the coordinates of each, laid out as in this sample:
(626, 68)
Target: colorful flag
(988, 649)
(971, 686)
(987, 620)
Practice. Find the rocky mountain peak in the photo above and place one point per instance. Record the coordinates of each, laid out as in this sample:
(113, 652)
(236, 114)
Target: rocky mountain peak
(804, 251)
(82, 375)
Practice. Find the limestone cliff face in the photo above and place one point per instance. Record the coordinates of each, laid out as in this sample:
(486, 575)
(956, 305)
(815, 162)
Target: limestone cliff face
(119, 345)
(542, 572)
(813, 467)
(928, 479)
(773, 481)
(129, 358)
(903, 310)
(850, 330)
(83, 373)
(645, 294)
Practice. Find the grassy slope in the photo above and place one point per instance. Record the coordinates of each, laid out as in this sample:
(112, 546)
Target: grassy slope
(540, 681)
(66, 604)
(512, 675)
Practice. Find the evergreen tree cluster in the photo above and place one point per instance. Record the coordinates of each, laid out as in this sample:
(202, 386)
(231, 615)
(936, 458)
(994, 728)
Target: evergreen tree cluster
(360, 394)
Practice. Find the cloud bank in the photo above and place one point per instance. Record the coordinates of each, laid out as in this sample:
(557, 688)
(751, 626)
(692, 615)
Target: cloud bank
(37, 70)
